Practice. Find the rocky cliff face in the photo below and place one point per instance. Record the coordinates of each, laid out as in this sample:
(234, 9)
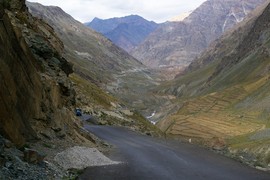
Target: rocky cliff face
(126, 32)
(35, 95)
(178, 43)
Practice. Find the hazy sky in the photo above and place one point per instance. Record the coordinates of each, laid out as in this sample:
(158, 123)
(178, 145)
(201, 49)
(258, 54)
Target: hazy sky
(156, 10)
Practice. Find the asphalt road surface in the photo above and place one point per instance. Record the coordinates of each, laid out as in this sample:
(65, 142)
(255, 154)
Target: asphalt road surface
(144, 157)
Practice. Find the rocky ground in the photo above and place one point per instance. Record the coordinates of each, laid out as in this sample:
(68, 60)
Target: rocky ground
(25, 164)
(51, 158)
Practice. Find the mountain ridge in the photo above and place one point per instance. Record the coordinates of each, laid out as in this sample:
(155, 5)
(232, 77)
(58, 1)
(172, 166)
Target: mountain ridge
(126, 32)
(98, 60)
(224, 99)
(82, 38)
(177, 44)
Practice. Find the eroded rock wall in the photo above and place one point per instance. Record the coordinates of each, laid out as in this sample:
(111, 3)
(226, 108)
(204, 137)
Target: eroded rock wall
(35, 95)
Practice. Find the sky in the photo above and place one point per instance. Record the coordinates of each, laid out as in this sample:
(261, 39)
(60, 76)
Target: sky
(154, 10)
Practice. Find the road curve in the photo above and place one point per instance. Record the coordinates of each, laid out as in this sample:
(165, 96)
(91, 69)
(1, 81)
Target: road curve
(145, 157)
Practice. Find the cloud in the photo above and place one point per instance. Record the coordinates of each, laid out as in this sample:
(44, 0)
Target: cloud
(159, 11)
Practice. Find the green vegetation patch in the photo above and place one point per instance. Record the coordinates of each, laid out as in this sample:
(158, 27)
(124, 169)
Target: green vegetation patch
(93, 92)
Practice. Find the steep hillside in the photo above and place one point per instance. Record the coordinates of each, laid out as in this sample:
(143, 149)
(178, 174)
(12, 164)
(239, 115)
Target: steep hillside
(92, 54)
(224, 96)
(37, 98)
(126, 32)
(178, 43)
(102, 63)
(35, 92)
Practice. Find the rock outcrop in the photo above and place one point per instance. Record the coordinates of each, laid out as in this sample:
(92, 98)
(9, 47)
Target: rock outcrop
(35, 92)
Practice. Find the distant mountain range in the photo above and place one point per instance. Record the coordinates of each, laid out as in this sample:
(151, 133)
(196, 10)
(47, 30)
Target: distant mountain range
(178, 43)
(126, 32)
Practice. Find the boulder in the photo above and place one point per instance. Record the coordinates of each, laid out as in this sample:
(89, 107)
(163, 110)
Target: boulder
(218, 144)
(8, 143)
(32, 156)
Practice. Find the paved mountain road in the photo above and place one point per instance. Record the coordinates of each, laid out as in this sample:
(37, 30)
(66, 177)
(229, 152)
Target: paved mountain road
(145, 157)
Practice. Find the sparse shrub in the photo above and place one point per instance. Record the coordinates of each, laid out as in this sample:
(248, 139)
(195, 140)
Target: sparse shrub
(267, 158)
(47, 145)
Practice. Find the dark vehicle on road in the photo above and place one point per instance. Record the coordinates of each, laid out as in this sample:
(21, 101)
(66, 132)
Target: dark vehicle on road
(78, 112)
